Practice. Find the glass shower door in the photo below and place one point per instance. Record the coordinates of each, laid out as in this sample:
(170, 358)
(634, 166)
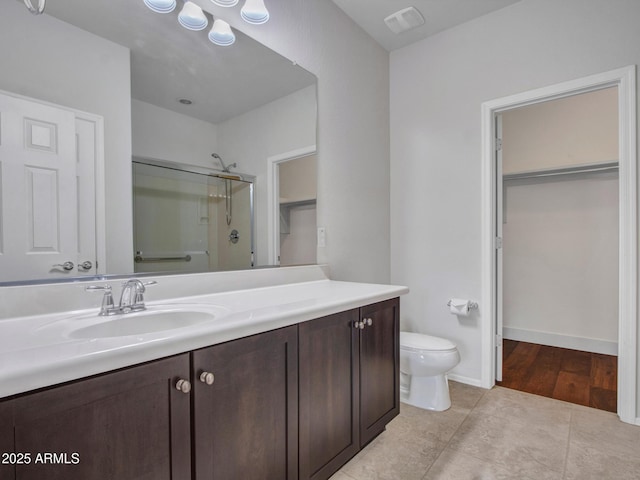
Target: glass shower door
(190, 222)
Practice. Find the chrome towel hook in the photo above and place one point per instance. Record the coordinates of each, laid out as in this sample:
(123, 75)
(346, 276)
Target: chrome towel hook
(32, 9)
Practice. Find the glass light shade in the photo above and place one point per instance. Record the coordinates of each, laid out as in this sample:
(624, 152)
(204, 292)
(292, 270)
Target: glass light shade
(254, 12)
(192, 17)
(225, 3)
(161, 6)
(221, 33)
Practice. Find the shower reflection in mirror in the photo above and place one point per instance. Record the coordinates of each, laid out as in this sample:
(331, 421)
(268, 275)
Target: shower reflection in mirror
(190, 219)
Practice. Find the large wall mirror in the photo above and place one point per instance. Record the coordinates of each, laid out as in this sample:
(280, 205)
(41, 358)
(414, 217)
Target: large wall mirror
(117, 125)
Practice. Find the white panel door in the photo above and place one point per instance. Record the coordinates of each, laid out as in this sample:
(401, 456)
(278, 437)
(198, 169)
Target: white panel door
(38, 186)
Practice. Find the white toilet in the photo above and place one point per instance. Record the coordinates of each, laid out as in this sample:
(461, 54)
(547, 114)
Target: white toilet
(424, 362)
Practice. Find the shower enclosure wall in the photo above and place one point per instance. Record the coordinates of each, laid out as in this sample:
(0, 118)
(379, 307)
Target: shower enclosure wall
(188, 219)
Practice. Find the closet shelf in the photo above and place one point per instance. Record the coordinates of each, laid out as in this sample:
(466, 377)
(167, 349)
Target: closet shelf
(286, 205)
(572, 170)
(295, 202)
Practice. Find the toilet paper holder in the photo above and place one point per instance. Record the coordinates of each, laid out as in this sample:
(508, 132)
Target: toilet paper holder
(472, 305)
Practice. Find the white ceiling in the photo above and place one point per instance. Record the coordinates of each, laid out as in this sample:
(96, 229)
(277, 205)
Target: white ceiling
(169, 62)
(438, 14)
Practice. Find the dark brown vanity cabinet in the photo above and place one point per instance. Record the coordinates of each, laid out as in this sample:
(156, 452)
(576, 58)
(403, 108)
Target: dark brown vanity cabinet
(379, 367)
(245, 408)
(129, 424)
(297, 402)
(349, 384)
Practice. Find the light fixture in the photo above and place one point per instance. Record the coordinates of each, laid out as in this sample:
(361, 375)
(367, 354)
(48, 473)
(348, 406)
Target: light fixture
(36, 10)
(192, 17)
(161, 6)
(225, 3)
(254, 12)
(221, 33)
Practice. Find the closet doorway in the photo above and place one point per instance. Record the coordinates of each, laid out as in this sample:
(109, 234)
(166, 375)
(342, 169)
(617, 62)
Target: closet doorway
(623, 80)
(559, 230)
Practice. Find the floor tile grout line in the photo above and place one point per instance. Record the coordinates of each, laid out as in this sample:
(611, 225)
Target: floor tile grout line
(450, 438)
(454, 433)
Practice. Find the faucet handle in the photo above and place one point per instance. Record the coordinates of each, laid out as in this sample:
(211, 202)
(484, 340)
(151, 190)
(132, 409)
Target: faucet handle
(107, 307)
(139, 300)
(98, 288)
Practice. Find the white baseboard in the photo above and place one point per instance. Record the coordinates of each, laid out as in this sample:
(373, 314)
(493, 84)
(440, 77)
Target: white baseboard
(564, 341)
(466, 380)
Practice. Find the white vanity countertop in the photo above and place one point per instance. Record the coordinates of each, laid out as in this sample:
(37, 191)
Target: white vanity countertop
(37, 351)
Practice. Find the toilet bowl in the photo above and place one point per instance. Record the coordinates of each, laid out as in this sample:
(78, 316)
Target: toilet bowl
(424, 362)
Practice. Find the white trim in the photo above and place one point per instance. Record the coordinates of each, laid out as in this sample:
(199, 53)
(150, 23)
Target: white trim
(462, 379)
(273, 216)
(585, 344)
(625, 80)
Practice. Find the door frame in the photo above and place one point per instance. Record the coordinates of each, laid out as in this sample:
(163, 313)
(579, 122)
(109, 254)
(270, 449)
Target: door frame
(273, 198)
(625, 80)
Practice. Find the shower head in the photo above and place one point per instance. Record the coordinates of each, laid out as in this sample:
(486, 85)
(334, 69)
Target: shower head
(225, 168)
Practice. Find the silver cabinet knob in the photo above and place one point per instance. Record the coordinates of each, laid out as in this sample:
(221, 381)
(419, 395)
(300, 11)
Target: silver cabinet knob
(207, 377)
(66, 265)
(369, 321)
(86, 265)
(183, 385)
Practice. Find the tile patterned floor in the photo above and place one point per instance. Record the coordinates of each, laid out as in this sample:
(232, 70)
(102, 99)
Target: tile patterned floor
(500, 434)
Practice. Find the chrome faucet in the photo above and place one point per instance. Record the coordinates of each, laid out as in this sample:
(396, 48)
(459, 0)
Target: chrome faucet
(131, 297)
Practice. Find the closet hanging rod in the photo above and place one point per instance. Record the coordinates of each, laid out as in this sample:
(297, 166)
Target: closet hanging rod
(601, 167)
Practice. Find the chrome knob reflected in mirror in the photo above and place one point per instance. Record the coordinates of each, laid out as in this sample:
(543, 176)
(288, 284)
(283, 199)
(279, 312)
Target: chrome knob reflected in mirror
(66, 265)
(86, 265)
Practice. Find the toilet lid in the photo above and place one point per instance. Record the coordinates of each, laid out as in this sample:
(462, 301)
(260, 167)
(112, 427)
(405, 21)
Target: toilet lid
(419, 341)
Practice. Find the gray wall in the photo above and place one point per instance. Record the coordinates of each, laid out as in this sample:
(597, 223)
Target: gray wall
(437, 88)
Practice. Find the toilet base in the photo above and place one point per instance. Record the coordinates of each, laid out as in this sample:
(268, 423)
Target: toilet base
(430, 393)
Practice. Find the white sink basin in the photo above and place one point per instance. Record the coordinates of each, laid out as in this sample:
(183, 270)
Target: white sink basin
(147, 321)
(155, 319)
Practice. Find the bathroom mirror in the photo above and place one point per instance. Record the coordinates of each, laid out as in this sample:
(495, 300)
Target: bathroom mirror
(162, 93)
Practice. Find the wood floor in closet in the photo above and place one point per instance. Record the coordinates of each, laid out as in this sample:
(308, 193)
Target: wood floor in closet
(574, 376)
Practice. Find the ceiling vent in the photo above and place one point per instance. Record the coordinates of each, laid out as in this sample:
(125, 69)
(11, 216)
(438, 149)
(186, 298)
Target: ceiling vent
(404, 20)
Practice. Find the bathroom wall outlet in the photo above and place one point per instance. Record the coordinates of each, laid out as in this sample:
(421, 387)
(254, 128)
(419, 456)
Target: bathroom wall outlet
(322, 237)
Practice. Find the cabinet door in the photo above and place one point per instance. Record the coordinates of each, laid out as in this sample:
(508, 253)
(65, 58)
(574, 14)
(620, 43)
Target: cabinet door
(379, 368)
(7, 470)
(246, 421)
(329, 410)
(131, 424)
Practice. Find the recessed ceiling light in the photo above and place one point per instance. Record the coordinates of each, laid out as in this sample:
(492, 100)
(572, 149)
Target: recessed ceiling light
(185, 101)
